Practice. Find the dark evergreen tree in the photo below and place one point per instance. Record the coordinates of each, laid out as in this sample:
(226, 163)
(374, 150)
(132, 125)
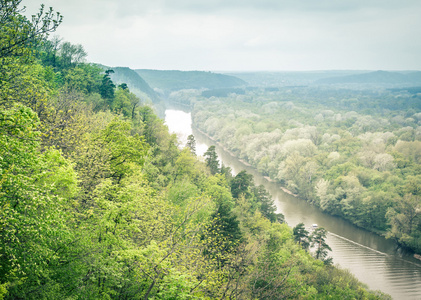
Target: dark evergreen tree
(318, 240)
(123, 86)
(266, 204)
(241, 184)
(223, 235)
(107, 87)
(211, 159)
(301, 236)
(191, 144)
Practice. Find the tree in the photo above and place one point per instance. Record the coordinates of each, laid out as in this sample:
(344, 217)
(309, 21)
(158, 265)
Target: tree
(125, 102)
(405, 220)
(185, 165)
(71, 55)
(67, 123)
(123, 86)
(241, 184)
(191, 144)
(223, 235)
(227, 172)
(107, 87)
(19, 36)
(301, 236)
(318, 240)
(266, 204)
(35, 188)
(18, 40)
(79, 80)
(20, 81)
(48, 51)
(211, 159)
(124, 149)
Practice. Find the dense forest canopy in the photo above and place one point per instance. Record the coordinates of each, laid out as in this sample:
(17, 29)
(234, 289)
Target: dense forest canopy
(353, 153)
(97, 201)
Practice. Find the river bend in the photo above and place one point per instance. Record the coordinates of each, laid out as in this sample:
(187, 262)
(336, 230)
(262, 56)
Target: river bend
(374, 260)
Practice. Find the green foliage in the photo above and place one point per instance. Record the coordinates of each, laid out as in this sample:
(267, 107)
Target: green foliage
(301, 236)
(124, 149)
(266, 204)
(80, 79)
(222, 236)
(405, 220)
(211, 159)
(97, 201)
(191, 144)
(71, 55)
(125, 102)
(241, 184)
(107, 87)
(182, 191)
(33, 229)
(318, 240)
(19, 36)
(342, 150)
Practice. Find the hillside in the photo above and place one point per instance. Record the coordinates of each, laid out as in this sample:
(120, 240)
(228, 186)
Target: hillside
(98, 202)
(288, 78)
(178, 80)
(135, 82)
(377, 77)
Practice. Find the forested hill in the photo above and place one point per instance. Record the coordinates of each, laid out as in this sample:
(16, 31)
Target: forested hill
(98, 202)
(377, 77)
(169, 81)
(136, 83)
(355, 78)
(289, 78)
(354, 154)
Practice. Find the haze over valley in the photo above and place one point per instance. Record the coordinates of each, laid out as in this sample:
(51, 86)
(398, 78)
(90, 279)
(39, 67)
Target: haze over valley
(210, 149)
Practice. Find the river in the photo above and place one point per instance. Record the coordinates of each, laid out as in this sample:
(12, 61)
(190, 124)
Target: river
(374, 260)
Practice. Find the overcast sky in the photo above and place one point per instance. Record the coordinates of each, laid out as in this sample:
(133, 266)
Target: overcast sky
(244, 35)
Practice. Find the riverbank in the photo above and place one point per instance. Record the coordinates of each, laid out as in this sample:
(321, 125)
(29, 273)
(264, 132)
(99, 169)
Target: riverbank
(284, 189)
(223, 147)
(373, 259)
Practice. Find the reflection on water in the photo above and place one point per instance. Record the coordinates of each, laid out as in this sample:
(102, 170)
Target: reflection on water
(371, 258)
(179, 122)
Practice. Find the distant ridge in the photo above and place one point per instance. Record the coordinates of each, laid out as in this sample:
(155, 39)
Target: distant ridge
(135, 82)
(169, 81)
(289, 78)
(377, 77)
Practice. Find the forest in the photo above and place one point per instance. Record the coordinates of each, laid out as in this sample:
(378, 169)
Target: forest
(355, 153)
(97, 201)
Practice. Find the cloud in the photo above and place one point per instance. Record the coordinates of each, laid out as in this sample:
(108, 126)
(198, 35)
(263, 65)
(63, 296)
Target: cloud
(247, 34)
(212, 6)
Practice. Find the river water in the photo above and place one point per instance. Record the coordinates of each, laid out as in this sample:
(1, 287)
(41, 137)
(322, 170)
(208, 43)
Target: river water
(374, 260)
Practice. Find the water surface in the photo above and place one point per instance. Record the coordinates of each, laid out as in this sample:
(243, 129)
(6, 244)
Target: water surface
(374, 260)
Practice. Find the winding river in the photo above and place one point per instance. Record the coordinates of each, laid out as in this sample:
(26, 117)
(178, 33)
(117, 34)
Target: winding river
(371, 258)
